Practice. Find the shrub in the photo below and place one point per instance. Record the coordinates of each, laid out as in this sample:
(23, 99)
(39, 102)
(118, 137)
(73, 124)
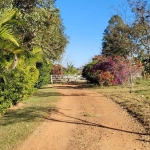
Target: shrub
(110, 70)
(5, 102)
(57, 69)
(44, 73)
(22, 82)
(106, 78)
(17, 86)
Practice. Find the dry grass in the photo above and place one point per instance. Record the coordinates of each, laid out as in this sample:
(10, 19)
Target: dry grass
(137, 102)
(17, 124)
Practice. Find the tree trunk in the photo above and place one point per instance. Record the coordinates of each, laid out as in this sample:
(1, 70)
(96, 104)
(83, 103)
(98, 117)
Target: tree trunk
(14, 63)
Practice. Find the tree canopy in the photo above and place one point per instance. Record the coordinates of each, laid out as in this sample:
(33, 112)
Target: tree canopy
(117, 38)
(40, 25)
(32, 36)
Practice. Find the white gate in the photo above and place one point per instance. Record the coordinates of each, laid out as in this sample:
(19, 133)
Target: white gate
(65, 78)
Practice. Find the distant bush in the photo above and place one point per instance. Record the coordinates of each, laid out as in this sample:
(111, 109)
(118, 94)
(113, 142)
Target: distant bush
(57, 69)
(109, 70)
(70, 70)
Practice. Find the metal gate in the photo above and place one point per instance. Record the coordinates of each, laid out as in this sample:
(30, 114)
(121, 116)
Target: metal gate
(65, 78)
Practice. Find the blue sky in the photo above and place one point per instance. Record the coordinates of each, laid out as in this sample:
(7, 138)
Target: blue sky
(85, 22)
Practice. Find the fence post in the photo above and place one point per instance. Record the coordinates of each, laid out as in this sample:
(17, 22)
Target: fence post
(75, 77)
(51, 80)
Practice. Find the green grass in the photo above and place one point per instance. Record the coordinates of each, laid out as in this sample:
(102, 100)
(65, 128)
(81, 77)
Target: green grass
(137, 102)
(17, 124)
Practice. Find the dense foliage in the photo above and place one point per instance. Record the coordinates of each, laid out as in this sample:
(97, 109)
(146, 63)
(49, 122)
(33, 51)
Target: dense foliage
(31, 38)
(110, 70)
(44, 73)
(122, 37)
(70, 69)
(116, 39)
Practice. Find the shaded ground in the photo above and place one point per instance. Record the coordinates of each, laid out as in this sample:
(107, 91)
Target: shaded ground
(86, 120)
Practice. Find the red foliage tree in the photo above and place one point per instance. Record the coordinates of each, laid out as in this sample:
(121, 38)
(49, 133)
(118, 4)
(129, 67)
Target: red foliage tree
(57, 69)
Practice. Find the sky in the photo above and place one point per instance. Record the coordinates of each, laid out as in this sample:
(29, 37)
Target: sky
(85, 22)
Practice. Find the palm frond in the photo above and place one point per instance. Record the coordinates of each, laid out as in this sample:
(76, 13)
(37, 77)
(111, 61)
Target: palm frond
(6, 33)
(7, 46)
(7, 15)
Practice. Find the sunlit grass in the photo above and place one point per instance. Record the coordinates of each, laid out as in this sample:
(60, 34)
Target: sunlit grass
(17, 124)
(136, 102)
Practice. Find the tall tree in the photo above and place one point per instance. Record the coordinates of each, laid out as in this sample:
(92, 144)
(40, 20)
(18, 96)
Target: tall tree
(116, 39)
(141, 10)
(41, 25)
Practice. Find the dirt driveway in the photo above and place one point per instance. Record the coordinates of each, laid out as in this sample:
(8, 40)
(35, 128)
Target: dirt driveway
(86, 120)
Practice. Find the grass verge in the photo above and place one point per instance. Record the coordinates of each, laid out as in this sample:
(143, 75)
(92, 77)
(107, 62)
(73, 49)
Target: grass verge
(18, 123)
(137, 103)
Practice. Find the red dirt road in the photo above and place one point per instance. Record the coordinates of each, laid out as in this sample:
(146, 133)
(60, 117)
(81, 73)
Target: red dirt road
(86, 120)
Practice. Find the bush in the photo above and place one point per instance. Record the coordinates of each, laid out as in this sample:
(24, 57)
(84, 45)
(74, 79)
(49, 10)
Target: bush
(89, 74)
(109, 70)
(106, 78)
(44, 73)
(18, 85)
(22, 82)
(57, 69)
(5, 102)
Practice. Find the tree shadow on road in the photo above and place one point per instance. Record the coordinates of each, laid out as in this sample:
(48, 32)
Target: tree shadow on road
(74, 86)
(88, 123)
(27, 114)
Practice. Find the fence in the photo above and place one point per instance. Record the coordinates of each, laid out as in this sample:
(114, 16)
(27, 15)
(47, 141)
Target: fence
(65, 78)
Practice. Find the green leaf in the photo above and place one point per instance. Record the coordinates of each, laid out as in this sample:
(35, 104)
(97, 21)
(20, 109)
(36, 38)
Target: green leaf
(7, 15)
(6, 33)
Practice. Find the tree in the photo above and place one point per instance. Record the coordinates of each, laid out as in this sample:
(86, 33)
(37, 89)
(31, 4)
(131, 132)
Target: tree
(40, 25)
(50, 35)
(70, 69)
(141, 8)
(28, 5)
(116, 40)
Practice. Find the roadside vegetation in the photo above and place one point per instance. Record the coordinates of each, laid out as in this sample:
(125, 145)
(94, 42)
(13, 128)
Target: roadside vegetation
(136, 103)
(20, 121)
(122, 69)
(32, 38)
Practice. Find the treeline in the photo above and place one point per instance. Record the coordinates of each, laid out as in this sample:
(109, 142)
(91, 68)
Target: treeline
(125, 48)
(31, 38)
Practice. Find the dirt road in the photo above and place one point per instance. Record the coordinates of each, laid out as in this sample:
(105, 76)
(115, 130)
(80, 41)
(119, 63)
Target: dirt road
(86, 120)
